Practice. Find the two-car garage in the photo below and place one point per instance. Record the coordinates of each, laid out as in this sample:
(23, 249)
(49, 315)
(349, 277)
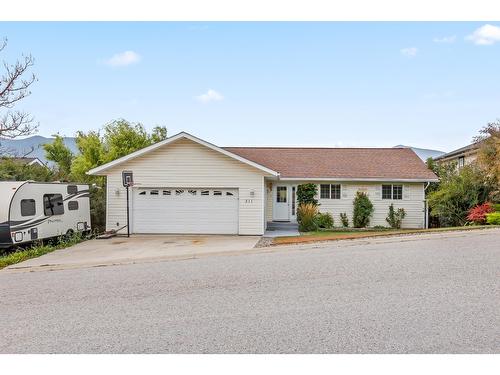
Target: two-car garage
(184, 210)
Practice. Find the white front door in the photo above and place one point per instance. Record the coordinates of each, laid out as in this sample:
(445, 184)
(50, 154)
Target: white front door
(281, 203)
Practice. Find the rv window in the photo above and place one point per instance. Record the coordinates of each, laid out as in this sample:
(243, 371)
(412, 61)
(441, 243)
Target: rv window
(73, 205)
(28, 207)
(72, 189)
(53, 204)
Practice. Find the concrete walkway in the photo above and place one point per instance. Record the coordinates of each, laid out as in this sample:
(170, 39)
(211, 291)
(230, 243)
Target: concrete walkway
(137, 248)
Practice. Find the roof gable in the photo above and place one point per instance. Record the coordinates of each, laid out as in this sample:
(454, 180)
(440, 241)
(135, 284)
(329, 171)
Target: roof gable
(101, 169)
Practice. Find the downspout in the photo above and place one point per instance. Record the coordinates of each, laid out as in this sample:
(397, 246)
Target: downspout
(426, 217)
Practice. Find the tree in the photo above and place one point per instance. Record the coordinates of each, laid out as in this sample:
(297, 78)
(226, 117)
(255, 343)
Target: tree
(458, 192)
(60, 154)
(489, 154)
(14, 86)
(118, 138)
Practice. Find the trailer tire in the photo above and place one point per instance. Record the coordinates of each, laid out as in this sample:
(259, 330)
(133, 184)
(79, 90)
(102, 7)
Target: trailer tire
(70, 233)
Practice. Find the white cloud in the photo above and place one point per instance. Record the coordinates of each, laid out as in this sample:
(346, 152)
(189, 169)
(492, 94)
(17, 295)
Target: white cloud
(210, 96)
(123, 59)
(485, 35)
(409, 52)
(445, 39)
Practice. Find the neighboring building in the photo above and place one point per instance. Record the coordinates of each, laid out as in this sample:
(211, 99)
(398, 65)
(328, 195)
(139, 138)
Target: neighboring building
(423, 153)
(462, 156)
(187, 185)
(26, 161)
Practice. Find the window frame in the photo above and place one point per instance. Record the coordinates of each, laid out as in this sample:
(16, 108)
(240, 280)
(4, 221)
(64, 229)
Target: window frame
(327, 189)
(50, 197)
(31, 201)
(392, 196)
(72, 203)
(461, 161)
(330, 191)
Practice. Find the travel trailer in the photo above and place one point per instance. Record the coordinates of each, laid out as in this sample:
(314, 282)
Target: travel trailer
(31, 211)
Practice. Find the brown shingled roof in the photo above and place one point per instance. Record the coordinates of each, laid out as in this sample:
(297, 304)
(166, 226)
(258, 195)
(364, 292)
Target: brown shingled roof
(342, 163)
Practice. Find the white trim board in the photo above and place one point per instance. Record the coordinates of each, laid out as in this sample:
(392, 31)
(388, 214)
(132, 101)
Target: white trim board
(378, 179)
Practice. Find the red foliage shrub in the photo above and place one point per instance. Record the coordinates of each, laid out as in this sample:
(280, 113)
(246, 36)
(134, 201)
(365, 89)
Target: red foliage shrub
(478, 214)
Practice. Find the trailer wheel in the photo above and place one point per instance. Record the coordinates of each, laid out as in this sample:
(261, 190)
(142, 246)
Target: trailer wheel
(69, 234)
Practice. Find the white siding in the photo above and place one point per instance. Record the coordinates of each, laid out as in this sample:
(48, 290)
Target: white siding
(185, 163)
(412, 202)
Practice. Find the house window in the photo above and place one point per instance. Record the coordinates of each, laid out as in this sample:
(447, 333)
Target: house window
(397, 191)
(192, 192)
(461, 161)
(281, 194)
(392, 192)
(28, 207)
(229, 193)
(335, 194)
(142, 193)
(293, 201)
(217, 192)
(53, 204)
(328, 191)
(167, 192)
(386, 191)
(205, 192)
(153, 192)
(179, 192)
(73, 205)
(325, 191)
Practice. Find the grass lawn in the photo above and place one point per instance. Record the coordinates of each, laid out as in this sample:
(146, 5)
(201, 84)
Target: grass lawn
(346, 234)
(36, 250)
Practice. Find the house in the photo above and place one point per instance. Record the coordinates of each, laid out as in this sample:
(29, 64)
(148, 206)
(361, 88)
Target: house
(187, 185)
(26, 161)
(462, 156)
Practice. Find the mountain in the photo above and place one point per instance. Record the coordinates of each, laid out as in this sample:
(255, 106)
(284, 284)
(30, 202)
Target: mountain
(23, 147)
(423, 153)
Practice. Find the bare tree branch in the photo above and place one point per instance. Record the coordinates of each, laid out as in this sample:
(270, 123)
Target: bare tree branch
(13, 88)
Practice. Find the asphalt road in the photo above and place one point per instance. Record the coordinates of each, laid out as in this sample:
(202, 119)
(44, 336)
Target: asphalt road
(435, 294)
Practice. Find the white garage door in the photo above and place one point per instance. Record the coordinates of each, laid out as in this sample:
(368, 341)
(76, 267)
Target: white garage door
(185, 210)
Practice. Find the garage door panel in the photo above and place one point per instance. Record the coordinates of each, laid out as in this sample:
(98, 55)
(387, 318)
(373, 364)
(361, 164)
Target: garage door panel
(184, 210)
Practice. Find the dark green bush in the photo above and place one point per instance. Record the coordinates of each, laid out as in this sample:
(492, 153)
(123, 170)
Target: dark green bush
(306, 193)
(324, 220)
(395, 217)
(344, 219)
(493, 218)
(496, 207)
(306, 216)
(363, 210)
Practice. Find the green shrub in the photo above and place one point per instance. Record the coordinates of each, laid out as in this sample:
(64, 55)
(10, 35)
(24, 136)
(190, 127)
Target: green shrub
(306, 193)
(493, 218)
(324, 220)
(379, 227)
(306, 215)
(344, 219)
(363, 210)
(496, 207)
(395, 217)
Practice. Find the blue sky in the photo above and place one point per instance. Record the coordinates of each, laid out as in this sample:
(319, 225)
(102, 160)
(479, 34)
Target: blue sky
(430, 85)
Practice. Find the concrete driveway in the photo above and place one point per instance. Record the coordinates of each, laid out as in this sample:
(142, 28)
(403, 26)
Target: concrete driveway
(138, 248)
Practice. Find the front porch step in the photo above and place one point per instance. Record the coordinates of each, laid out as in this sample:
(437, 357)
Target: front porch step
(280, 225)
